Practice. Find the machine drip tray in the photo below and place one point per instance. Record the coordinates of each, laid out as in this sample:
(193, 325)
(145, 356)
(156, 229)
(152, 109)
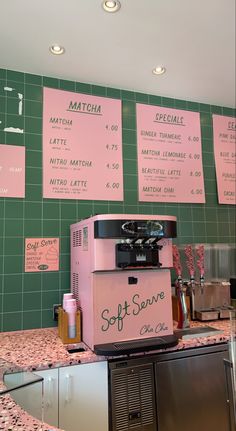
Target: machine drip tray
(203, 331)
(135, 346)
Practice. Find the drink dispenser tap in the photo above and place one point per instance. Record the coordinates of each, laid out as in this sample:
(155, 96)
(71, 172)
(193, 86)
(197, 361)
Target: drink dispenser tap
(200, 263)
(183, 321)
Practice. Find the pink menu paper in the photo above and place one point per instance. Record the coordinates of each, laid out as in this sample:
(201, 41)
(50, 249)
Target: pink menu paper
(82, 146)
(169, 155)
(41, 254)
(12, 171)
(224, 132)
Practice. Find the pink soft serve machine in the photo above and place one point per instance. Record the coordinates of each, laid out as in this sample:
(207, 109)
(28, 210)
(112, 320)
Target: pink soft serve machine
(120, 276)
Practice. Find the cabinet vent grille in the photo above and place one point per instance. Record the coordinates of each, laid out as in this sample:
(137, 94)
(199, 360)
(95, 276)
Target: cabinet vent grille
(75, 285)
(133, 399)
(77, 238)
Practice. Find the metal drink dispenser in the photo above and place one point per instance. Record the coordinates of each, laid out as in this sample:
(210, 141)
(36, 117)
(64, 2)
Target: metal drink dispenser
(121, 279)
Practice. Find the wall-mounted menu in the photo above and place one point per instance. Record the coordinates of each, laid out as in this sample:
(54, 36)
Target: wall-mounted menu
(12, 171)
(224, 132)
(82, 146)
(169, 155)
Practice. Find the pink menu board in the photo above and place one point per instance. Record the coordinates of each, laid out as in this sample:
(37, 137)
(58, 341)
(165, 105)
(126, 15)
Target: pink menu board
(169, 155)
(224, 132)
(12, 171)
(41, 254)
(82, 146)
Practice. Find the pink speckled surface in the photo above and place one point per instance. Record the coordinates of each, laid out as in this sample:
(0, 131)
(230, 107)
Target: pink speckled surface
(40, 349)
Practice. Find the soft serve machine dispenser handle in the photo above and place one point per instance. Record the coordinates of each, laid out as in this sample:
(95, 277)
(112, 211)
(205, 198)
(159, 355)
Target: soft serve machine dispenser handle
(120, 275)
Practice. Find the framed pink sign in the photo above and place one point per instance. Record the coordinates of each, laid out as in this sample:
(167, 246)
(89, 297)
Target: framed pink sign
(41, 254)
(82, 146)
(169, 155)
(224, 133)
(12, 171)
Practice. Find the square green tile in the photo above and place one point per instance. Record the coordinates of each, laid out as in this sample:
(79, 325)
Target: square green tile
(129, 137)
(141, 98)
(3, 104)
(12, 106)
(211, 215)
(49, 298)
(155, 100)
(32, 319)
(34, 159)
(130, 209)
(82, 87)
(130, 182)
(15, 76)
(114, 93)
(13, 228)
(203, 107)
(18, 138)
(16, 88)
(186, 228)
(185, 213)
(12, 283)
(128, 107)
(65, 226)
(50, 82)
(33, 79)
(33, 108)
(168, 102)
(3, 74)
(12, 302)
(130, 166)
(33, 125)
(51, 210)
(192, 106)
(32, 301)
(33, 175)
(228, 111)
(33, 210)
(180, 104)
(129, 151)
(33, 192)
(51, 228)
(33, 92)
(96, 90)
(68, 210)
(32, 282)
(47, 319)
(129, 122)
(127, 95)
(13, 264)
(33, 142)
(50, 281)
(12, 321)
(84, 210)
(131, 197)
(16, 121)
(14, 209)
(33, 228)
(14, 246)
(66, 85)
(65, 262)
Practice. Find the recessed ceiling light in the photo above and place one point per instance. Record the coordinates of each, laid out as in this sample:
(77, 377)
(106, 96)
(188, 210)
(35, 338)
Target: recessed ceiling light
(57, 49)
(111, 6)
(159, 70)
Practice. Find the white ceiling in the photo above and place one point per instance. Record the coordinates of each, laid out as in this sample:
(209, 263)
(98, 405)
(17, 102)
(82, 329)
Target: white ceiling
(193, 39)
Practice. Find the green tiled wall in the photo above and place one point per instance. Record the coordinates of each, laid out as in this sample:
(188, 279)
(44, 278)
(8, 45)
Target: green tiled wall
(26, 299)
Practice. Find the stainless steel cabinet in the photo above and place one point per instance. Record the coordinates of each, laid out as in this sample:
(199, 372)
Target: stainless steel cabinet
(191, 390)
(174, 391)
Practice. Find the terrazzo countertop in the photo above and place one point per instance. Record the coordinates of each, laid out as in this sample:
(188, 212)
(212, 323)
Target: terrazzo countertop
(41, 349)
